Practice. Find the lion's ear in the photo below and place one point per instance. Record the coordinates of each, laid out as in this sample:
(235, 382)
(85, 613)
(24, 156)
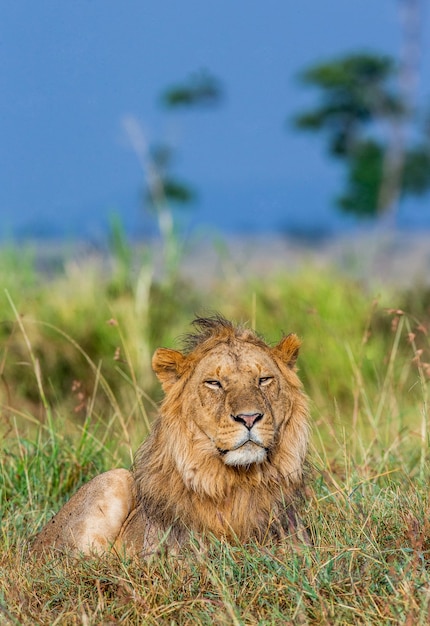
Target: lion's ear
(167, 364)
(288, 350)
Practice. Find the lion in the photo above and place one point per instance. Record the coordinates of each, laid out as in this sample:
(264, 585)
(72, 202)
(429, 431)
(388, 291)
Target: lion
(225, 456)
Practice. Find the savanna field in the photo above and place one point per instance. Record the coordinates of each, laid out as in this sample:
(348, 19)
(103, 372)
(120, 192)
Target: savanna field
(78, 395)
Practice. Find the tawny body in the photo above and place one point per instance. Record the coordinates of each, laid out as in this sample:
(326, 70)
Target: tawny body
(225, 455)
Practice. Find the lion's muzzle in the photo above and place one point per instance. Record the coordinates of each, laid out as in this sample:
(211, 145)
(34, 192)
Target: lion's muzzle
(249, 446)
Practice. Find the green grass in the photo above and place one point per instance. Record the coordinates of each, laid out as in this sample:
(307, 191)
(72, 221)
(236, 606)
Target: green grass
(77, 396)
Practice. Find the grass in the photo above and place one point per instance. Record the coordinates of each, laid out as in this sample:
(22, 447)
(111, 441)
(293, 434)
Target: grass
(77, 397)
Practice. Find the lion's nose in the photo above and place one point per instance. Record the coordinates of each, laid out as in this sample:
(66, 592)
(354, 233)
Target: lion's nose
(248, 419)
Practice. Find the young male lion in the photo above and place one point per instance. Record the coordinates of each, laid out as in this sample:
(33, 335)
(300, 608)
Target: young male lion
(225, 455)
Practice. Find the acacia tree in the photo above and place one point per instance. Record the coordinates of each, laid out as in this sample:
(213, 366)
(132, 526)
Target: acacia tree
(163, 190)
(363, 113)
(200, 90)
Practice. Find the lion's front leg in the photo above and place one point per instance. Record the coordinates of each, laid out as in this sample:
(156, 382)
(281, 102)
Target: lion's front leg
(92, 519)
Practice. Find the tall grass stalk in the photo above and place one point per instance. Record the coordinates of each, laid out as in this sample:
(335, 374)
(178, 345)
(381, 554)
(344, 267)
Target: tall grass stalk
(424, 389)
(34, 360)
(170, 241)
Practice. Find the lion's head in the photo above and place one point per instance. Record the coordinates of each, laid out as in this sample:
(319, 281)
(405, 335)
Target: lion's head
(228, 448)
(233, 389)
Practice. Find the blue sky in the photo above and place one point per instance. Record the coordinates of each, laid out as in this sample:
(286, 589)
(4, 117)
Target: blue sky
(71, 71)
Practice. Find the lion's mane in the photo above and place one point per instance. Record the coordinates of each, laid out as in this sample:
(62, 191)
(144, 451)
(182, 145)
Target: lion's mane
(182, 484)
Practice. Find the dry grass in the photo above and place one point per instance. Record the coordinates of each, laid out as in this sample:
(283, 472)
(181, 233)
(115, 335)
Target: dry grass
(369, 564)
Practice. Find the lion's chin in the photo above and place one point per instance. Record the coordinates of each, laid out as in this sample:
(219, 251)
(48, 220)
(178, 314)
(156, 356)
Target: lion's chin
(247, 454)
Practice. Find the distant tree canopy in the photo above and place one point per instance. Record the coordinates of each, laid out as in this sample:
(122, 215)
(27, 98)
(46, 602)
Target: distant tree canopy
(165, 187)
(201, 89)
(364, 117)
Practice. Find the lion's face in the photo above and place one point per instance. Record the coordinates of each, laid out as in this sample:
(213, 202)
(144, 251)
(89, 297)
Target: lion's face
(239, 402)
(235, 396)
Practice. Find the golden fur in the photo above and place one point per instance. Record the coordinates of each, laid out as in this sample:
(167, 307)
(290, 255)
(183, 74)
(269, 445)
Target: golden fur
(225, 455)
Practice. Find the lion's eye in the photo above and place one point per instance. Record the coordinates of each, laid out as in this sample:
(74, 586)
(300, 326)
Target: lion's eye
(213, 384)
(265, 380)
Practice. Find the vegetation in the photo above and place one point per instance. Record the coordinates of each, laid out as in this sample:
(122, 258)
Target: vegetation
(77, 396)
(367, 116)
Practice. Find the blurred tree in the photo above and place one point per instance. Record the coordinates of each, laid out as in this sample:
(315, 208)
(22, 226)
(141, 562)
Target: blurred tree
(200, 89)
(163, 190)
(165, 187)
(363, 113)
